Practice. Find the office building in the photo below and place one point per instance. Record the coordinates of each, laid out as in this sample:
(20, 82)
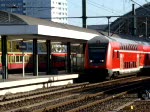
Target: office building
(48, 9)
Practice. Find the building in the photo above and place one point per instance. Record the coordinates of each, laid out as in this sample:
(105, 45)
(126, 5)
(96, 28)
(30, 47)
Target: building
(15, 6)
(59, 9)
(49, 9)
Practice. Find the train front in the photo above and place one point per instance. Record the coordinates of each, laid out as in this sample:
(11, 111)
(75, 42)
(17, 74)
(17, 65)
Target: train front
(96, 56)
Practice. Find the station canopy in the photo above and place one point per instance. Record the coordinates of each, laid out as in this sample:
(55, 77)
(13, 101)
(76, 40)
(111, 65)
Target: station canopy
(17, 26)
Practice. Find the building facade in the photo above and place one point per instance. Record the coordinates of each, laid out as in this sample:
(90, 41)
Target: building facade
(53, 10)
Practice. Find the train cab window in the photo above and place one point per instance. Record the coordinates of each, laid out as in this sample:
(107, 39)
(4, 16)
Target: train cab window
(97, 53)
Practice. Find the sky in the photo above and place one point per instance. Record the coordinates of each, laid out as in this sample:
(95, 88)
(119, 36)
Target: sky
(100, 8)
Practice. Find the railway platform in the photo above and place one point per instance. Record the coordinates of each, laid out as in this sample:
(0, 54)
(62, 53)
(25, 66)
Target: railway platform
(17, 83)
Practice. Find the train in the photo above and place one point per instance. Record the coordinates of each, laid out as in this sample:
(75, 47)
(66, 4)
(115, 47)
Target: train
(15, 61)
(118, 55)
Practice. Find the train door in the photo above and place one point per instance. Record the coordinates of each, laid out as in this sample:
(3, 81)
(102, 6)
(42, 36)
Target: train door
(121, 61)
(74, 62)
(138, 60)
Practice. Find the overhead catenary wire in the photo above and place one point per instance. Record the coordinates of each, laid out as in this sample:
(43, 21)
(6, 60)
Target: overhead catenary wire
(103, 7)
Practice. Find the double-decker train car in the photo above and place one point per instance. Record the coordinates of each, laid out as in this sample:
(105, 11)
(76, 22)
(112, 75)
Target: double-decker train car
(15, 61)
(110, 57)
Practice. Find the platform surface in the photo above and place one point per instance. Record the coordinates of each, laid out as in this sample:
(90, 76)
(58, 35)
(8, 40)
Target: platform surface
(18, 83)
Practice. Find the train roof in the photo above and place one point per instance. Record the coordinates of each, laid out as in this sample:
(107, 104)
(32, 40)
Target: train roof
(124, 39)
(129, 39)
(99, 39)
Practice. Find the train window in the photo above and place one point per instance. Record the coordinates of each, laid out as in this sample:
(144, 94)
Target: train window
(128, 64)
(117, 54)
(26, 58)
(124, 47)
(17, 58)
(132, 47)
(0, 59)
(12, 58)
(134, 64)
(124, 64)
(129, 47)
(42, 58)
(9, 59)
(30, 59)
(21, 58)
(136, 47)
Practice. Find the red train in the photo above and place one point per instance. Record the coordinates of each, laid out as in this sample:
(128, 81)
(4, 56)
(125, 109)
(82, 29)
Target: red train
(111, 57)
(15, 61)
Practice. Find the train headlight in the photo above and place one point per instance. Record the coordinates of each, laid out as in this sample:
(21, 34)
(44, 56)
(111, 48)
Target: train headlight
(91, 61)
(101, 60)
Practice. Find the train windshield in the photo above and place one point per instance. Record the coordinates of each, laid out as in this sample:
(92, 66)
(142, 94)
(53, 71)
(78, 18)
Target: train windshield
(97, 54)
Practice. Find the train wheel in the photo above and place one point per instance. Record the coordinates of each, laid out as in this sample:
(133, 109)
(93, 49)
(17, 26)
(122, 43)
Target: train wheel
(113, 76)
(110, 77)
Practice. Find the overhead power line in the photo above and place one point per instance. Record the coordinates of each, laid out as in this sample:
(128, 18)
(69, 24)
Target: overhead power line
(103, 7)
(130, 16)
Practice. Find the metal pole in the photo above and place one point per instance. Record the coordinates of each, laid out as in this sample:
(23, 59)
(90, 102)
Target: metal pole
(35, 57)
(146, 27)
(134, 20)
(84, 14)
(108, 26)
(4, 57)
(23, 71)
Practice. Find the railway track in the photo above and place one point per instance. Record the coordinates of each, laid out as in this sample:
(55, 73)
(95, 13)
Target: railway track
(56, 98)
